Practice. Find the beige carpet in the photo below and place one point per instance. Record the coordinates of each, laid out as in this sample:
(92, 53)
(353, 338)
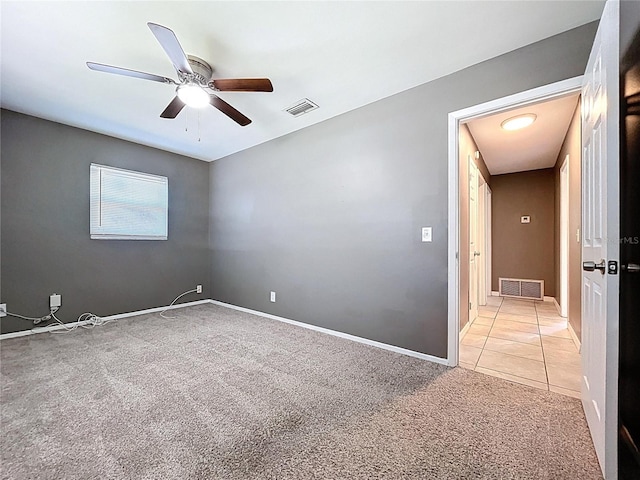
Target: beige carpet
(219, 394)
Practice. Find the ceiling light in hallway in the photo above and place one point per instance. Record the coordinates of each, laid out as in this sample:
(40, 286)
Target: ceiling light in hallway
(521, 121)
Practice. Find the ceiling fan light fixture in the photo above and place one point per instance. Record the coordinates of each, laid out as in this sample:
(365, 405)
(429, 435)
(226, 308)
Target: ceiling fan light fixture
(193, 95)
(518, 122)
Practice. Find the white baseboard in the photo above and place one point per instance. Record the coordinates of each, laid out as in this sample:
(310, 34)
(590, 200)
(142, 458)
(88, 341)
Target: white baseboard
(366, 341)
(555, 302)
(495, 294)
(53, 328)
(574, 337)
(465, 329)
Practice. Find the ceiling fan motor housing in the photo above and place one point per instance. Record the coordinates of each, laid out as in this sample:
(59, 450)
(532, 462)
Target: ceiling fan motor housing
(202, 71)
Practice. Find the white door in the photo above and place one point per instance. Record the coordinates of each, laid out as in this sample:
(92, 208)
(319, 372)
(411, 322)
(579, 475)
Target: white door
(473, 240)
(600, 207)
(487, 250)
(482, 242)
(564, 238)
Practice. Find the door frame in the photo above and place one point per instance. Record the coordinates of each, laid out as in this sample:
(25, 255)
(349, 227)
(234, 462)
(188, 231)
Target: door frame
(535, 95)
(564, 237)
(488, 240)
(474, 217)
(484, 228)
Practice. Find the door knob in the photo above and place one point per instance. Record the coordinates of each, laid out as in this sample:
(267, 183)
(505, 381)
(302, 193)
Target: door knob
(476, 254)
(630, 268)
(591, 266)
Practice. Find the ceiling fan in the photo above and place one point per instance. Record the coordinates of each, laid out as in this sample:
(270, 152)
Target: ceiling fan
(195, 79)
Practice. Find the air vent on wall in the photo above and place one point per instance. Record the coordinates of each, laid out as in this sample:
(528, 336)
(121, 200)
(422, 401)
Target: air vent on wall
(521, 288)
(301, 107)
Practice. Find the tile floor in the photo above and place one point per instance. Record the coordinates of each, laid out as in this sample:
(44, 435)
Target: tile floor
(523, 341)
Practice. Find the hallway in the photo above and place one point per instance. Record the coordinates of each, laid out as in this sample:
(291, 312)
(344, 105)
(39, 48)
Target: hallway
(523, 341)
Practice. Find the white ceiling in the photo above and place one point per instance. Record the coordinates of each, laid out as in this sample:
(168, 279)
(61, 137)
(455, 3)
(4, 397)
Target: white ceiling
(534, 147)
(341, 55)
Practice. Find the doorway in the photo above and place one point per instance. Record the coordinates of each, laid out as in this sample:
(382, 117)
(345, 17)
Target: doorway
(533, 318)
(601, 217)
(477, 283)
(484, 232)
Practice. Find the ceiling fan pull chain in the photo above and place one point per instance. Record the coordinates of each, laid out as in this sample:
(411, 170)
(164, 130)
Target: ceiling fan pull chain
(186, 121)
(198, 125)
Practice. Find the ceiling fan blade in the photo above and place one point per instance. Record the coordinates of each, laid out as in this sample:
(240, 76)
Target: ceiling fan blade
(128, 73)
(173, 109)
(169, 42)
(242, 85)
(229, 111)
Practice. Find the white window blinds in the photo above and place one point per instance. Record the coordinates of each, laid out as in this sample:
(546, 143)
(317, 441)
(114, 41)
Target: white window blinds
(127, 205)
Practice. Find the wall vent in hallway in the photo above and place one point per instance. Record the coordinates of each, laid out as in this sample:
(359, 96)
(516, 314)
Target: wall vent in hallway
(522, 288)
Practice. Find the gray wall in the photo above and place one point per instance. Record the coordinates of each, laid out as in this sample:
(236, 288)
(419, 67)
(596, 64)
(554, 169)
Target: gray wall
(329, 217)
(524, 250)
(45, 226)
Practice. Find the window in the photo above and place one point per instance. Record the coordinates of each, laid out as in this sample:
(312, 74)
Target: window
(127, 205)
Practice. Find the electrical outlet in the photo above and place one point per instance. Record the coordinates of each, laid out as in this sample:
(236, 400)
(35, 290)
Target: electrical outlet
(55, 300)
(273, 297)
(198, 288)
(3, 309)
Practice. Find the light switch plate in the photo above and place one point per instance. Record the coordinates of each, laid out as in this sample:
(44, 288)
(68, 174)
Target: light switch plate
(3, 309)
(525, 219)
(273, 296)
(426, 234)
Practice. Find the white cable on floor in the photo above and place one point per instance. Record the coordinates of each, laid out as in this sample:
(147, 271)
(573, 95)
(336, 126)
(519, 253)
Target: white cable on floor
(91, 319)
(195, 290)
(35, 320)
